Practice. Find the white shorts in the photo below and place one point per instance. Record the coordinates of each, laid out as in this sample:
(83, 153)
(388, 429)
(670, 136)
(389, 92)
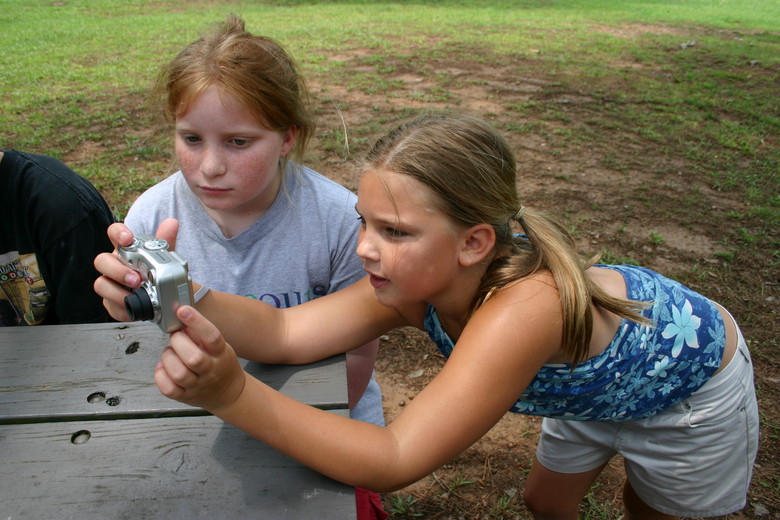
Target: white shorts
(693, 459)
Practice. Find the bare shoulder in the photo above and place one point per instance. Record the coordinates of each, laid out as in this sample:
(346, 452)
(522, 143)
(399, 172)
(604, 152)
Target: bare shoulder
(526, 314)
(609, 280)
(540, 284)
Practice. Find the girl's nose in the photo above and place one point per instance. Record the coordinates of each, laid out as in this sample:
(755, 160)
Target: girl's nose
(212, 163)
(365, 247)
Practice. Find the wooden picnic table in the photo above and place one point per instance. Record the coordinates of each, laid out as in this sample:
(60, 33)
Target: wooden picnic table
(84, 433)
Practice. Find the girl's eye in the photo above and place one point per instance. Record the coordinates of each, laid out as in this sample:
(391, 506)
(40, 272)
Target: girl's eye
(395, 232)
(239, 141)
(191, 139)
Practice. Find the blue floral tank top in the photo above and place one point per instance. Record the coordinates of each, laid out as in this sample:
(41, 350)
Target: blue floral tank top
(644, 370)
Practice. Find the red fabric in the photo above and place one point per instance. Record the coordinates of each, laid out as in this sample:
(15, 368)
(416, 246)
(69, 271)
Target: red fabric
(369, 505)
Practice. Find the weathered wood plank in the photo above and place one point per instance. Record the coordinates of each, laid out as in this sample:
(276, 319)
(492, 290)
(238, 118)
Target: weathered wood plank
(171, 468)
(96, 371)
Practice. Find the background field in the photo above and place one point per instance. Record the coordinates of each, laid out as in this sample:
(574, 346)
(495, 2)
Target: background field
(651, 127)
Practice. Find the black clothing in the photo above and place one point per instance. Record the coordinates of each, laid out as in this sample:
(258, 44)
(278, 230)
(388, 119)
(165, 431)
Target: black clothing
(53, 224)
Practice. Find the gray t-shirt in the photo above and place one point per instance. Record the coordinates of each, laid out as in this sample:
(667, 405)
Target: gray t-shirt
(303, 247)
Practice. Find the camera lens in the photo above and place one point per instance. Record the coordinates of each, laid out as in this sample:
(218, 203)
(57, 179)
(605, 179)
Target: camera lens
(139, 305)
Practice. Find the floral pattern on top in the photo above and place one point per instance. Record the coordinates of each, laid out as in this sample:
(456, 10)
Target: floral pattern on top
(644, 370)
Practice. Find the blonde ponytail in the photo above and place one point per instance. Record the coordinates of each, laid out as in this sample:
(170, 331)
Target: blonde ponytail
(547, 245)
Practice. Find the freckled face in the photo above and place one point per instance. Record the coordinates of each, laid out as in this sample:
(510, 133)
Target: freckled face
(228, 158)
(408, 246)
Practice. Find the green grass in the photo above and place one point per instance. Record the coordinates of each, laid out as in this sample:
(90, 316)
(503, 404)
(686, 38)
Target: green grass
(84, 53)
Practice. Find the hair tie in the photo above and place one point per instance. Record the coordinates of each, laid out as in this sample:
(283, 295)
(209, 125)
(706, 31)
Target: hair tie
(519, 215)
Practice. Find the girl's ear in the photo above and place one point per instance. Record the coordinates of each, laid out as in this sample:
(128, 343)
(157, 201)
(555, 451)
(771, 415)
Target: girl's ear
(478, 243)
(288, 140)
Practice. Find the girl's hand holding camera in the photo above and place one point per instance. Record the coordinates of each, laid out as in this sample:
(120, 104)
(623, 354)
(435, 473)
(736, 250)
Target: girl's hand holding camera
(118, 280)
(199, 368)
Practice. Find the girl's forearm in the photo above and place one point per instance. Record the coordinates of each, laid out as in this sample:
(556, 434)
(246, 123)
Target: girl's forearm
(249, 326)
(302, 334)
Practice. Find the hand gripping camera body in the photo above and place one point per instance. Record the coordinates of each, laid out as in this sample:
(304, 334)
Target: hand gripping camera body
(165, 286)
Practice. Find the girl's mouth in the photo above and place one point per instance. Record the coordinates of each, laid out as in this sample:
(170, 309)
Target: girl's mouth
(377, 282)
(213, 191)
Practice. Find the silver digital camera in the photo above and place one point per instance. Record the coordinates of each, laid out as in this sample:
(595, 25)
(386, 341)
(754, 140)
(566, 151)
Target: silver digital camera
(165, 282)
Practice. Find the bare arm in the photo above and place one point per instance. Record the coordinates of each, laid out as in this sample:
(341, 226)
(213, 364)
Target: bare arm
(360, 368)
(302, 334)
(256, 331)
(497, 355)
